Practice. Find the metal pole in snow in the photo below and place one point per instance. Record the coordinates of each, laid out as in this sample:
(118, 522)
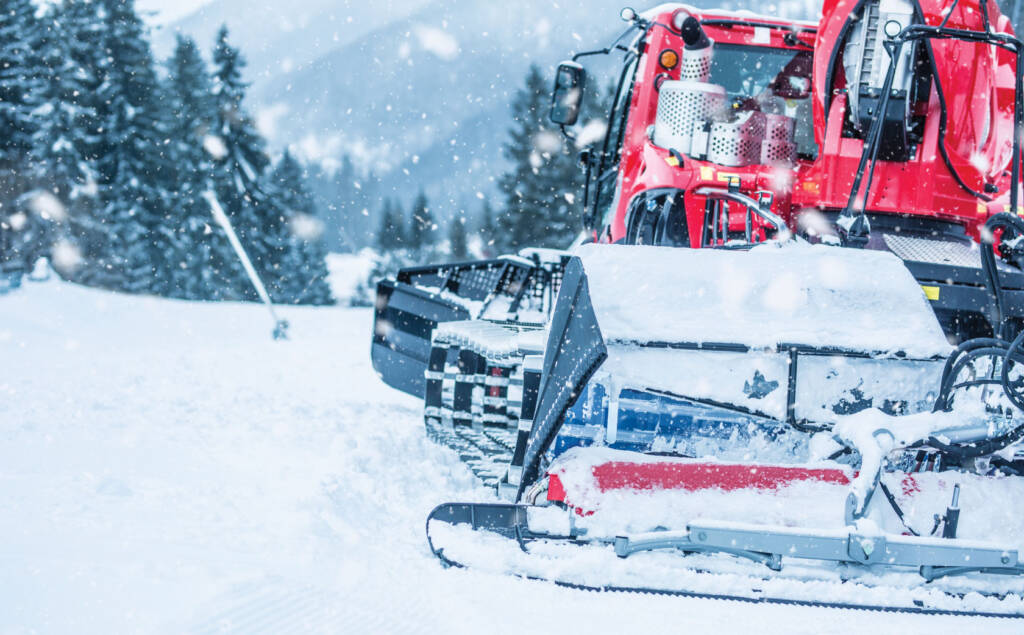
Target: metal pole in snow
(280, 326)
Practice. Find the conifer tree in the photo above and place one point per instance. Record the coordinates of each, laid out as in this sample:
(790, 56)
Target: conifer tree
(391, 235)
(22, 81)
(132, 253)
(302, 267)
(240, 162)
(67, 118)
(539, 208)
(488, 230)
(457, 240)
(67, 141)
(190, 94)
(422, 230)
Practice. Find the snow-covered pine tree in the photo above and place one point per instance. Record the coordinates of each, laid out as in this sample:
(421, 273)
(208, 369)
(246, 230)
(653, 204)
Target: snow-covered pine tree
(488, 229)
(21, 86)
(391, 235)
(539, 200)
(240, 163)
(67, 140)
(422, 230)
(134, 253)
(457, 238)
(67, 120)
(190, 92)
(302, 271)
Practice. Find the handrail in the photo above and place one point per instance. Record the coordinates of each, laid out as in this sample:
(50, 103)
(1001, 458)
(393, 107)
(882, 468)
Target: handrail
(714, 193)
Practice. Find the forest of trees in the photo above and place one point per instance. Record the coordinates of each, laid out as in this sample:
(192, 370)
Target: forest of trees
(540, 199)
(105, 159)
(107, 156)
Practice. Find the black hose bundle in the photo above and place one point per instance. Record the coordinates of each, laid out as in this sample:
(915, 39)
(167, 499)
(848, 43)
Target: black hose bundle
(1002, 355)
(1012, 227)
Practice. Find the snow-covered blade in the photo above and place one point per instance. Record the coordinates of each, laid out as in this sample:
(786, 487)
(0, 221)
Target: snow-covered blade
(772, 296)
(739, 354)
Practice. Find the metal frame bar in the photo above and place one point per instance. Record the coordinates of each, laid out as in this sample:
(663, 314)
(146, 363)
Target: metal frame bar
(933, 557)
(802, 349)
(752, 207)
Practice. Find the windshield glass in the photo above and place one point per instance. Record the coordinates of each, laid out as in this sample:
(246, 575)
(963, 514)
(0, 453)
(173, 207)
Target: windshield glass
(776, 80)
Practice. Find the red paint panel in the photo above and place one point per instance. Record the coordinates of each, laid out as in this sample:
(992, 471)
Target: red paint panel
(693, 476)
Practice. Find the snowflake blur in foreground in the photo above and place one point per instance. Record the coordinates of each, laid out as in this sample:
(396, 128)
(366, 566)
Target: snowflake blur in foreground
(66, 257)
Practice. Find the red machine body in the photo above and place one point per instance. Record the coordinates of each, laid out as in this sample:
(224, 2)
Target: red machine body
(957, 172)
(961, 163)
(645, 167)
(730, 129)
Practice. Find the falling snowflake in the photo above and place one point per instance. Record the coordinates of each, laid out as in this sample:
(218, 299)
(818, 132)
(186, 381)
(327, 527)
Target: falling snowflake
(215, 146)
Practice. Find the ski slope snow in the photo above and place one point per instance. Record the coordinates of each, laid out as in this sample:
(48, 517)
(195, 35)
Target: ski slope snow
(166, 467)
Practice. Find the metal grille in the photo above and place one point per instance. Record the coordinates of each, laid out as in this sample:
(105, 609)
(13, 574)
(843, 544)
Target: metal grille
(680, 105)
(939, 252)
(474, 282)
(737, 143)
(778, 153)
(696, 65)
(779, 128)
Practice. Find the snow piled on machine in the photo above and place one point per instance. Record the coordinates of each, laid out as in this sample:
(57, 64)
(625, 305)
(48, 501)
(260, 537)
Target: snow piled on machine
(772, 295)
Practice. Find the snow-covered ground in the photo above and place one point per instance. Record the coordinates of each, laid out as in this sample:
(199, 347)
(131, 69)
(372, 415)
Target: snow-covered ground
(166, 467)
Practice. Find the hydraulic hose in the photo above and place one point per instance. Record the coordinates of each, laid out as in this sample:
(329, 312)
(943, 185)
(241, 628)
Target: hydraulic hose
(1002, 353)
(1001, 221)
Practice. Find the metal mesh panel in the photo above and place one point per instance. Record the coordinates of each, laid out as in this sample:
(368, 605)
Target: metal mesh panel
(696, 65)
(778, 153)
(680, 105)
(778, 147)
(940, 252)
(737, 143)
(779, 128)
(476, 281)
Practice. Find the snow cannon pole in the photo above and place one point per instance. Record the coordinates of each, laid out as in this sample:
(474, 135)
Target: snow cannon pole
(280, 326)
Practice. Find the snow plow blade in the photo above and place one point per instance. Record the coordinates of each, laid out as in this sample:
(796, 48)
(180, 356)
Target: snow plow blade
(575, 349)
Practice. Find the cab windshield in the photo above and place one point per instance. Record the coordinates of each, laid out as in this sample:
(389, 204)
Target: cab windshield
(776, 81)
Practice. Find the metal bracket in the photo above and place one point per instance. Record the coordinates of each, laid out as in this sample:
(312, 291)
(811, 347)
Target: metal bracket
(626, 546)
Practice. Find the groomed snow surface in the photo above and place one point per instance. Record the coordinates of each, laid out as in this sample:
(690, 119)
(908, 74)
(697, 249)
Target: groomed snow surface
(166, 467)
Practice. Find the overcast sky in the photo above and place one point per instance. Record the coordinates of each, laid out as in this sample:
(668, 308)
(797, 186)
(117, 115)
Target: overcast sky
(168, 10)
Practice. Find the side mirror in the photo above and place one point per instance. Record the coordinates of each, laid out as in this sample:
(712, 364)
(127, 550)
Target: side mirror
(568, 94)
